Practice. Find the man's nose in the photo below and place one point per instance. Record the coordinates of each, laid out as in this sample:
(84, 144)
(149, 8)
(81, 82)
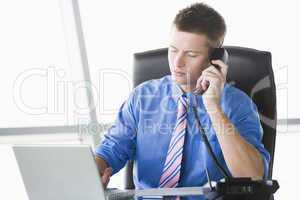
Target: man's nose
(179, 61)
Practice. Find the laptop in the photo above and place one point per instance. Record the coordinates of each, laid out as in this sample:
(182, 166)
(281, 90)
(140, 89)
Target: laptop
(61, 172)
(69, 172)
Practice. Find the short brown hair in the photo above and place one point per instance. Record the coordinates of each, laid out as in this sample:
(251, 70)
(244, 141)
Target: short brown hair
(199, 18)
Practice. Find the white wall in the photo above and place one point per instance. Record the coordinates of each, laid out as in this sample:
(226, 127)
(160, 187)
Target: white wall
(115, 29)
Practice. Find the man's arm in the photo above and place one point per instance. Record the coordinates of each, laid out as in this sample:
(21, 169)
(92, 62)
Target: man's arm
(118, 144)
(241, 157)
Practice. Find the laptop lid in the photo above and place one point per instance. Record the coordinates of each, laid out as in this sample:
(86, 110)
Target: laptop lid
(59, 172)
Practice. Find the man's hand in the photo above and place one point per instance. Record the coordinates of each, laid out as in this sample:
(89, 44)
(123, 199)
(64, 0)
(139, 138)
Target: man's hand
(104, 170)
(105, 176)
(212, 82)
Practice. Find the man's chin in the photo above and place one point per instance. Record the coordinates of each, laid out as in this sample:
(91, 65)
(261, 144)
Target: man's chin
(183, 84)
(180, 81)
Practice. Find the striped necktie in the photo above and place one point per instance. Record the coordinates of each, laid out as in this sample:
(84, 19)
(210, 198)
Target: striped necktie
(171, 171)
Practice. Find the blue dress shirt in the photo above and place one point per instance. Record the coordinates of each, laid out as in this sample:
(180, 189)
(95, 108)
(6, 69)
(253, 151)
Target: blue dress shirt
(144, 124)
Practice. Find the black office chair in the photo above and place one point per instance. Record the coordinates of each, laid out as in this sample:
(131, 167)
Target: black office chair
(249, 70)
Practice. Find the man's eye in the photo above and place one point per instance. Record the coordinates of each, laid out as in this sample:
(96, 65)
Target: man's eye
(192, 55)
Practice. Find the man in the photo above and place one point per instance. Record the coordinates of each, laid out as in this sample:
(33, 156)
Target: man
(156, 126)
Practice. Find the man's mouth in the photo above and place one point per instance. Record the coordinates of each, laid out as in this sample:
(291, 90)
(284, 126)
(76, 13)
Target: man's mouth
(179, 74)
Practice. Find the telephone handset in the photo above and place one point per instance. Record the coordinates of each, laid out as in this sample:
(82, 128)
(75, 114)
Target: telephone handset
(217, 54)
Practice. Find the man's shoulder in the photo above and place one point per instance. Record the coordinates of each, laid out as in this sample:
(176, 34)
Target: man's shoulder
(153, 86)
(235, 96)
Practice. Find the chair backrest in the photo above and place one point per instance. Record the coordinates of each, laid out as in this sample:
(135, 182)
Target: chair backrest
(249, 70)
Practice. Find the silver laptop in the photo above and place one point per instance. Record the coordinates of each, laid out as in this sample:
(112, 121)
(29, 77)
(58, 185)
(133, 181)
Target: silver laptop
(69, 172)
(57, 172)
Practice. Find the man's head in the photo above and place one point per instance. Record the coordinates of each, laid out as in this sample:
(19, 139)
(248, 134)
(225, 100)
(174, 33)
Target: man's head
(196, 30)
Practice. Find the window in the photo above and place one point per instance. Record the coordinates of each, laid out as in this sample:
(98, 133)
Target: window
(40, 85)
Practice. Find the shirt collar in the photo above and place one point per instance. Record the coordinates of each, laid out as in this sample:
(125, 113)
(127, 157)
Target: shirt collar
(177, 92)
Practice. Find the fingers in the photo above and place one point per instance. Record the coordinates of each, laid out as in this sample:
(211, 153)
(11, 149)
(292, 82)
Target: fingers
(107, 172)
(211, 75)
(205, 84)
(212, 69)
(204, 80)
(213, 72)
(105, 176)
(223, 66)
(201, 86)
(209, 79)
(198, 88)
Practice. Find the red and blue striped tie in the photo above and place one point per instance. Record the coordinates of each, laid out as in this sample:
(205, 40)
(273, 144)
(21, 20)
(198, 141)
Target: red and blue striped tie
(171, 171)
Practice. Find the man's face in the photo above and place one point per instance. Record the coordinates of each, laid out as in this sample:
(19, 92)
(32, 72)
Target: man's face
(188, 57)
